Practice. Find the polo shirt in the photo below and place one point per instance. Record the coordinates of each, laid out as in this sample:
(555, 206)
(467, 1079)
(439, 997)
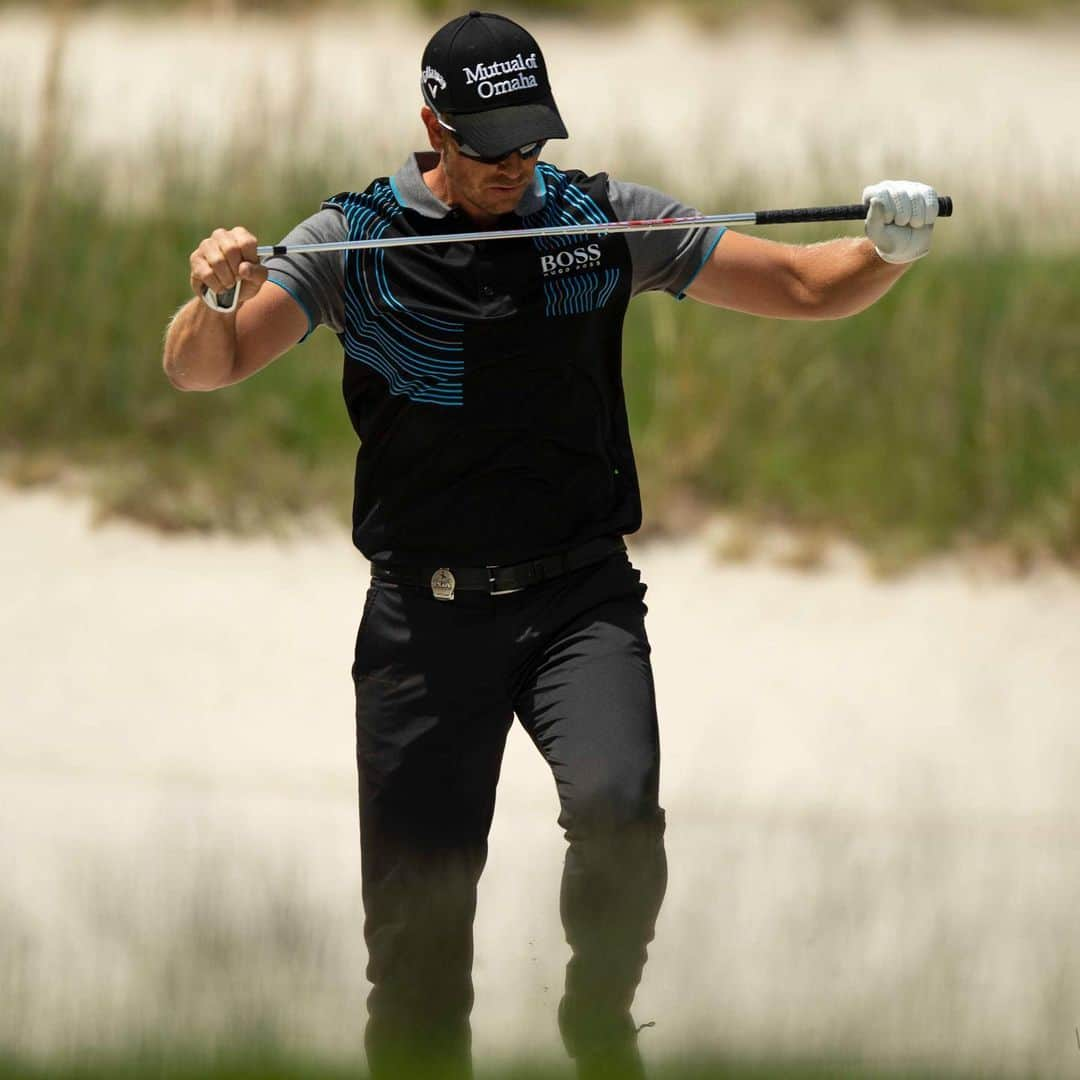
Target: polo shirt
(484, 379)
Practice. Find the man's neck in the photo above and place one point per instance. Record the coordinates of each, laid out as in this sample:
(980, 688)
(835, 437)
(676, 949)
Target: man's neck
(439, 185)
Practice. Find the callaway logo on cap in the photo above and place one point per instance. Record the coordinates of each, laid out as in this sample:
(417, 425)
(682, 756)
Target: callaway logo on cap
(489, 74)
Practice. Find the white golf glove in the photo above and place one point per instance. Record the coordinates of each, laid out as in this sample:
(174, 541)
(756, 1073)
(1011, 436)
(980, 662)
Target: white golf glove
(900, 221)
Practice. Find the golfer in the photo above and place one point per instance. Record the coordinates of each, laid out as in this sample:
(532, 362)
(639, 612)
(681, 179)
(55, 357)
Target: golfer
(495, 483)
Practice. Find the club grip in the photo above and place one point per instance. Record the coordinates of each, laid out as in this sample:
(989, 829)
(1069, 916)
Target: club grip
(229, 300)
(852, 212)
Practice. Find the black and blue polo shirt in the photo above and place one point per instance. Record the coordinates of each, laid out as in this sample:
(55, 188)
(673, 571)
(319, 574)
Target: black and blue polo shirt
(484, 379)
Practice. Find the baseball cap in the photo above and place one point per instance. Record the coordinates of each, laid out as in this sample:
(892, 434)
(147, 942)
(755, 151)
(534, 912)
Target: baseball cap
(489, 74)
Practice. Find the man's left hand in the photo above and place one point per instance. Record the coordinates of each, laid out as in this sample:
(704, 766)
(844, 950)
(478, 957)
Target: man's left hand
(900, 219)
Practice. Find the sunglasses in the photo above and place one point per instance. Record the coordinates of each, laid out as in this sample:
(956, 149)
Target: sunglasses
(529, 150)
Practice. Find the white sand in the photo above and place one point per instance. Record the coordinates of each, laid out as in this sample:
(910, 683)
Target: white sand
(871, 792)
(983, 111)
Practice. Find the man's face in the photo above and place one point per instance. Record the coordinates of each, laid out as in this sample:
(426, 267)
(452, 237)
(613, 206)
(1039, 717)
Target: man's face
(490, 190)
(495, 189)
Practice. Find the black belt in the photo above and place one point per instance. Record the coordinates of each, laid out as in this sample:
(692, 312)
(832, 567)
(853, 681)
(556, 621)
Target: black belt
(444, 580)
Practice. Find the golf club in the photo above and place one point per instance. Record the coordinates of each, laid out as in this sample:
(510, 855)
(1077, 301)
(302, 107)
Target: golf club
(227, 301)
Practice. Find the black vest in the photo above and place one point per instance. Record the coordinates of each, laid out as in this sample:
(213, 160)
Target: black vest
(484, 381)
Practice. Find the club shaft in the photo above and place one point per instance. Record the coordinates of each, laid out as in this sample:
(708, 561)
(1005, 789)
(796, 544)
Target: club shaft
(851, 212)
(513, 234)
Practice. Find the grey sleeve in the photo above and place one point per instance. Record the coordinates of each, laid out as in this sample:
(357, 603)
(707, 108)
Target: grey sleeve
(667, 259)
(316, 281)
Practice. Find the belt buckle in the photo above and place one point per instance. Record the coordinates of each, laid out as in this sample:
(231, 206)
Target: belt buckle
(442, 584)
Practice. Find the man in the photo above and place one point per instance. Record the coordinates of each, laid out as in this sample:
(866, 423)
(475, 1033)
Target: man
(494, 484)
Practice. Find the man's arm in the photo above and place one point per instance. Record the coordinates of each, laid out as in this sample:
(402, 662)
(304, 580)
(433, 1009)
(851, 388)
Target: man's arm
(822, 281)
(205, 349)
(787, 281)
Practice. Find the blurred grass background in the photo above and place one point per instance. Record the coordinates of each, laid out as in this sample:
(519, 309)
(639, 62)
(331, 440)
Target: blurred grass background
(947, 416)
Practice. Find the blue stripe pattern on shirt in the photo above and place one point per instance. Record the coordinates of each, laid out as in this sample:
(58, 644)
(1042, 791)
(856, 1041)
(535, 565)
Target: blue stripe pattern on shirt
(580, 293)
(567, 204)
(420, 356)
(564, 204)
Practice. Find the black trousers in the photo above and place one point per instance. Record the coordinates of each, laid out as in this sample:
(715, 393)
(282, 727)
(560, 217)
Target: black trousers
(437, 685)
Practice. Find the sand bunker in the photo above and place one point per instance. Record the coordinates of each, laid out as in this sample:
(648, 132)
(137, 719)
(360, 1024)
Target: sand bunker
(870, 787)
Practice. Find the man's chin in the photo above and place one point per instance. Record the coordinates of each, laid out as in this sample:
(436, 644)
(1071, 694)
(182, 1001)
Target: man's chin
(506, 198)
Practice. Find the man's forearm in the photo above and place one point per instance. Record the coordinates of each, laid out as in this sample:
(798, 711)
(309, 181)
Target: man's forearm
(200, 348)
(844, 277)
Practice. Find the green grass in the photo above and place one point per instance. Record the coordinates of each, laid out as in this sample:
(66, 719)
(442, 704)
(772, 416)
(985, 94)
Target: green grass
(263, 1064)
(946, 415)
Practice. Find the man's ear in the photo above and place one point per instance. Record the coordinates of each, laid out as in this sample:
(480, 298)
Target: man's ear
(436, 135)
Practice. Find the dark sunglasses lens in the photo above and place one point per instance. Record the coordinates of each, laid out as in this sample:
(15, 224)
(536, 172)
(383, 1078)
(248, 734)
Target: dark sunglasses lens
(473, 155)
(529, 150)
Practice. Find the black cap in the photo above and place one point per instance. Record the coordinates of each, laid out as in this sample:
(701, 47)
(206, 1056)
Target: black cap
(489, 74)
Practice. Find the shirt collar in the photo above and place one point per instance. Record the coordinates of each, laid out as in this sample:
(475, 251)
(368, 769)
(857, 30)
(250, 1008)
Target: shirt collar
(411, 191)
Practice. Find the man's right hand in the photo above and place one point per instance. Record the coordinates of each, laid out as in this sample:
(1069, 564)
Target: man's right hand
(204, 349)
(225, 257)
